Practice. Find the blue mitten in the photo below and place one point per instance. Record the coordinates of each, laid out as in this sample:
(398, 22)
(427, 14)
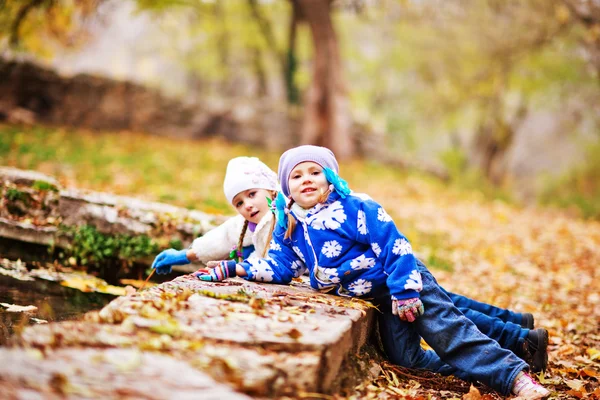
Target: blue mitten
(409, 309)
(166, 259)
(223, 270)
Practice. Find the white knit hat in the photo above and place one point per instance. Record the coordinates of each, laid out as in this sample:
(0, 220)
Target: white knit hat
(245, 173)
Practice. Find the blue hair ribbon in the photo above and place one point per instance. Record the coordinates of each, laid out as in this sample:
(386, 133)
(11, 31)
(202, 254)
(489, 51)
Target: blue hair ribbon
(340, 185)
(280, 208)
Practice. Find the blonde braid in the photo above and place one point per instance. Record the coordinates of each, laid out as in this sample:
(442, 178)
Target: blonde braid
(266, 249)
(272, 228)
(291, 222)
(241, 241)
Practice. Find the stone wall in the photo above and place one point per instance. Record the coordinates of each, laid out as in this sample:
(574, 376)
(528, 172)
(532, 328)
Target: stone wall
(32, 94)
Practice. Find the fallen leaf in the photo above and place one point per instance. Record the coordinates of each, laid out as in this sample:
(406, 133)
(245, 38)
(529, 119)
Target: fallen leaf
(294, 333)
(589, 372)
(16, 308)
(593, 353)
(576, 393)
(575, 384)
(92, 284)
(473, 394)
(136, 283)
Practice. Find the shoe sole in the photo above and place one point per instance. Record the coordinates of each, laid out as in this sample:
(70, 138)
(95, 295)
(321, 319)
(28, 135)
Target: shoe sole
(540, 358)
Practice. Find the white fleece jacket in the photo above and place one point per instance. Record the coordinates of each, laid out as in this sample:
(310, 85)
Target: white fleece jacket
(217, 243)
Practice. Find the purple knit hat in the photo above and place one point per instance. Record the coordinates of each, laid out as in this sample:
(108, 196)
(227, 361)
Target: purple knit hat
(320, 155)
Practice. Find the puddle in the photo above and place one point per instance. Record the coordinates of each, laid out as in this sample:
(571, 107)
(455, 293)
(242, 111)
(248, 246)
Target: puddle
(53, 301)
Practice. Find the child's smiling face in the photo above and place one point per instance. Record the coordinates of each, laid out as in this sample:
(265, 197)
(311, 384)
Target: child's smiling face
(252, 204)
(307, 183)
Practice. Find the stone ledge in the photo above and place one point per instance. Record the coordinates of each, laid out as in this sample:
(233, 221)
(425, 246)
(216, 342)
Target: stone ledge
(261, 339)
(109, 214)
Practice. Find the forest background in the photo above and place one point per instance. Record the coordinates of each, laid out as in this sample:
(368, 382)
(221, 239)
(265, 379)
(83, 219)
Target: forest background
(452, 114)
(498, 96)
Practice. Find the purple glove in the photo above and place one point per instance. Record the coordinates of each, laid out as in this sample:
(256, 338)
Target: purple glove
(409, 309)
(223, 270)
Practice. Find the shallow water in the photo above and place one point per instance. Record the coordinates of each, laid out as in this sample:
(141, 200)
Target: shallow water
(54, 303)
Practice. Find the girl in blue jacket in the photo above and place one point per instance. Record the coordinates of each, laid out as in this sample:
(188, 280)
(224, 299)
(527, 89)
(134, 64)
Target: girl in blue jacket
(351, 247)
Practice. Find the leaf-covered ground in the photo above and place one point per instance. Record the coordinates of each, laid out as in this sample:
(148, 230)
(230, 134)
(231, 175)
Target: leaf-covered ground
(530, 260)
(527, 259)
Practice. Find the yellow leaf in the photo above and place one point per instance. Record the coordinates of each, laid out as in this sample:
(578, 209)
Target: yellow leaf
(593, 353)
(92, 285)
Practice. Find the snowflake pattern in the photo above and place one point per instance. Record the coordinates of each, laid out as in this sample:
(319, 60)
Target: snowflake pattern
(298, 268)
(402, 247)
(331, 249)
(331, 274)
(414, 281)
(383, 216)
(261, 270)
(362, 262)
(361, 223)
(331, 217)
(299, 253)
(360, 287)
(275, 246)
(376, 249)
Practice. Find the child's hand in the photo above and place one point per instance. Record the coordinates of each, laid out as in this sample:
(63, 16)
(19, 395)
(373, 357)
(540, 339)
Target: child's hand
(217, 271)
(408, 310)
(166, 259)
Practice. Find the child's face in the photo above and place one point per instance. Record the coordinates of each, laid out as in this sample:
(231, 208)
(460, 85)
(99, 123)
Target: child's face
(307, 183)
(252, 204)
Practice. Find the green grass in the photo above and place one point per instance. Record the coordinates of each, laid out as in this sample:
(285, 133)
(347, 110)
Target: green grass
(577, 190)
(185, 173)
(189, 173)
(180, 172)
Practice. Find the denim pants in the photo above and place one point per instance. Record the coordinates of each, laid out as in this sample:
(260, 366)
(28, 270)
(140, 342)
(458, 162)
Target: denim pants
(505, 315)
(490, 320)
(460, 348)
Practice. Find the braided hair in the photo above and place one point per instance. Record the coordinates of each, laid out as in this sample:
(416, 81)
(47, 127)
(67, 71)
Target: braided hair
(240, 244)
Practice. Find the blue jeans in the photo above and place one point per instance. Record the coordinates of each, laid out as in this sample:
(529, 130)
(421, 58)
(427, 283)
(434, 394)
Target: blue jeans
(460, 348)
(490, 320)
(505, 315)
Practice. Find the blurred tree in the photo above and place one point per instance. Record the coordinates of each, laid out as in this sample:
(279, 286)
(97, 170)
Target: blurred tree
(326, 106)
(586, 12)
(481, 67)
(326, 118)
(287, 58)
(29, 25)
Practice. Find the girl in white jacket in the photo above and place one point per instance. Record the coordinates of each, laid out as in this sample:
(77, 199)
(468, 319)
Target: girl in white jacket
(248, 185)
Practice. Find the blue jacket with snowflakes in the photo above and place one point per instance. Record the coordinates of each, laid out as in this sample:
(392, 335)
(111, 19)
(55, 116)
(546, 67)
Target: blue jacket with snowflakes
(349, 245)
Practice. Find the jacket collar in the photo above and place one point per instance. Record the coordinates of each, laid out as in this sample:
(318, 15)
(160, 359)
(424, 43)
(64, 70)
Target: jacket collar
(301, 213)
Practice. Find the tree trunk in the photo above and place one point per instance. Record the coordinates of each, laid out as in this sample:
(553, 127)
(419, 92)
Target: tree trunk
(259, 72)
(495, 137)
(326, 109)
(291, 64)
(224, 46)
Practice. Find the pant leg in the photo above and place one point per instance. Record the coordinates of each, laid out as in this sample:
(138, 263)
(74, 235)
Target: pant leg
(509, 336)
(402, 343)
(505, 315)
(459, 343)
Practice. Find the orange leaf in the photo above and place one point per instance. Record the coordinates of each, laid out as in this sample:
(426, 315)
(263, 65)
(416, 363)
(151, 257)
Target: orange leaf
(589, 372)
(576, 393)
(473, 394)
